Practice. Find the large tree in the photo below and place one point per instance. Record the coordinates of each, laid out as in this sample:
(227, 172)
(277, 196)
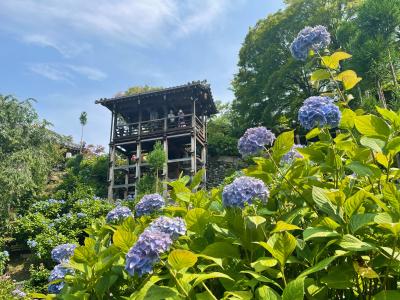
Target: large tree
(270, 85)
(28, 152)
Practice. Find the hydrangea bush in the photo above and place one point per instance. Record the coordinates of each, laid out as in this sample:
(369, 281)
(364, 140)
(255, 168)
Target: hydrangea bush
(319, 221)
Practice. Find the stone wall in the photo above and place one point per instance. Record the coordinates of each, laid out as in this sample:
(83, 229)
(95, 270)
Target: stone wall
(220, 167)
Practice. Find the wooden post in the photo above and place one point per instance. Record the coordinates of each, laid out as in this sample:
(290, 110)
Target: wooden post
(127, 178)
(138, 162)
(193, 141)
(111, 172)
(111, 158)
(165, 168)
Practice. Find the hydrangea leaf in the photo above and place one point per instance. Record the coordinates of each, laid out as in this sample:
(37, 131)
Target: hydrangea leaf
(387, 295)
(180, 259)
(283, 144)
(202, 277)
(266, 293)
(283, 226)
(318, 232)
(294, 290)
(261, 278)
(281, 245)
(351, 243)
(320, 74)
(221, 250)
(256, 220)
(371, 125)
(124, 240)
(332, 61)
(319, 266)
(197, 219)
(349, 79)
(372, 143)
(321, 199)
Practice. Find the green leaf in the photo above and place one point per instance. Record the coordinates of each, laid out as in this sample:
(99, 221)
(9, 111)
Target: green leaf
(84, 254)
(391, 195)
(202, 277)
(360, 169)
(313, 133)
(261, 278)
(389, 115)
(318, 232)
(372, 143)
(332, 61)
(351, 243)
(161, 292)
(103, 284)
(349, 79)
(280, 245)
(393, 146)
(320, 74)
(256, 220)
(321, 198)
(180, 259)
(387, 295)
(319, 266)
(365, 272)
(238, 295)
(371, 125)
(283, 226)
(353, 203)
(197, 219)
(283, 144)
(221, 250)
(294, 290)
(124, 240)
(361, 220)
(264, 263)
(347, 119)
(339, 277)
(197, 179)
(266, 293)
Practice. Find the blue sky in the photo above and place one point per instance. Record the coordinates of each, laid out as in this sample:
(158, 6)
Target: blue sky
(66, 54)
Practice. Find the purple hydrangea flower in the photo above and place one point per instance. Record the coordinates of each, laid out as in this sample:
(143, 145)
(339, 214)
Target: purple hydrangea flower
(175, 227)
(118, 214)
(310, 38)
(254, 140)
(80, 215)
(149, 204)
(63, 252)
(18, 293)
(292, 154)
(243, 190)
(319, 111)
(146, 252)
(58, 273)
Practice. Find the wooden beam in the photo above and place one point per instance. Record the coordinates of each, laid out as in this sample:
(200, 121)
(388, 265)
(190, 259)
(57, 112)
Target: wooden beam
(111, 173)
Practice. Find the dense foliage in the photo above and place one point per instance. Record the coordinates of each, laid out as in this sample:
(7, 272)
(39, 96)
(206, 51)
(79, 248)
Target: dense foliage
(270, 85)
(315, 222)
(28, 152)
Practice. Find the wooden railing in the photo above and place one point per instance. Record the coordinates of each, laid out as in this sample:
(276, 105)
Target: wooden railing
(158, 125)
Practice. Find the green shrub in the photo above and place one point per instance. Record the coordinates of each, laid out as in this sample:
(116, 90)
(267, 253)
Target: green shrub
(314, 222)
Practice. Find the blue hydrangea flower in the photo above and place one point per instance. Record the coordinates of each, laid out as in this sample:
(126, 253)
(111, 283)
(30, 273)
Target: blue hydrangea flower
(292, 154)
(5, 253)
(63, 252)
(31, 243)
(146, 252)
(310, 38)
(18, 293)
(58, 273)
(243, 190)
(118, 214)
(319, 111)
(149, 204)
(254, 140)
(80, 215)
(175, 227)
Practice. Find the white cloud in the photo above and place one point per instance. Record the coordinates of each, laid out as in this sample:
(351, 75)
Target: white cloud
(147, 23)
(66, 72)
(66, 49)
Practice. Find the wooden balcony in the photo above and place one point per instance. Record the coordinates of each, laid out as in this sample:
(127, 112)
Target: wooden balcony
(159, 127)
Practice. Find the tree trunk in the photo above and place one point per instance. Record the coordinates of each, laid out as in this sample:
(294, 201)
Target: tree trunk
(393, 71)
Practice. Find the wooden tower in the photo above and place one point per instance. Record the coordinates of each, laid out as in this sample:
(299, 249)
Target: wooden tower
(175, 116)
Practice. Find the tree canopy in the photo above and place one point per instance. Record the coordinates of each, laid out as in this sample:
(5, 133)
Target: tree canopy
(270, 85)
(28, 152)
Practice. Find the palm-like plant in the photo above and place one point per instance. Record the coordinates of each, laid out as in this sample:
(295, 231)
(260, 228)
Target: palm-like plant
(83, 121)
